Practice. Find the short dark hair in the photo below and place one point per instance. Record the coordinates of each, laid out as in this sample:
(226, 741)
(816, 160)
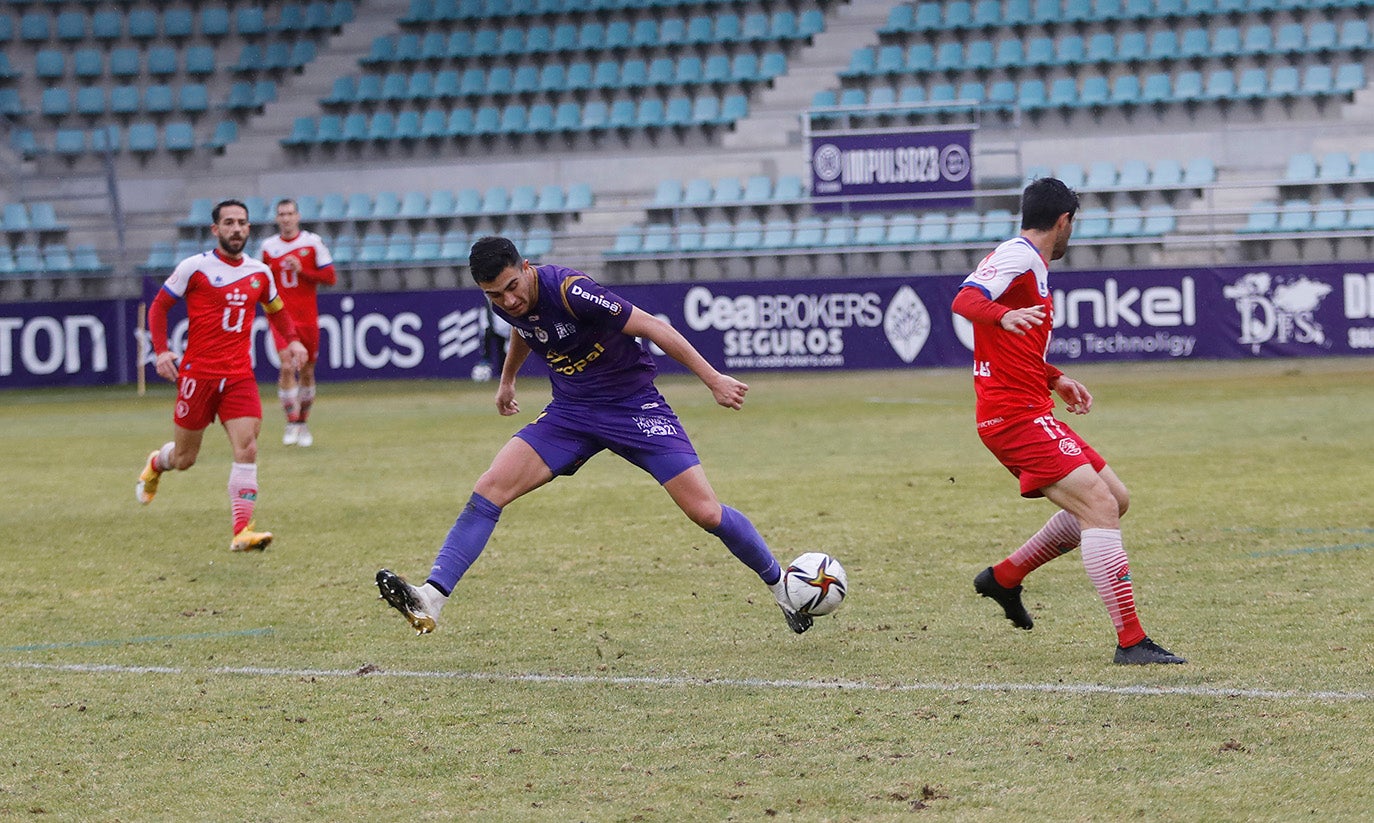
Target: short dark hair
(1044, 200)
(285, 201)
(214, 213)
(490, 256)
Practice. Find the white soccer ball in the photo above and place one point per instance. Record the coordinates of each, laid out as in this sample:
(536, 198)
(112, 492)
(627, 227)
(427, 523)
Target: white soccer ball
(815, 583)
(481, 373)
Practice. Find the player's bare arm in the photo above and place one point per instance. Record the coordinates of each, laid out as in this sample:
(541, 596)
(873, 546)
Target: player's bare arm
(727, 391)
(516, 353)
(294, 354)
(1077, 399)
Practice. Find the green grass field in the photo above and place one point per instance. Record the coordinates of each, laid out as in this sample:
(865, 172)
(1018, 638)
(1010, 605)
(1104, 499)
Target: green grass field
(607, 661)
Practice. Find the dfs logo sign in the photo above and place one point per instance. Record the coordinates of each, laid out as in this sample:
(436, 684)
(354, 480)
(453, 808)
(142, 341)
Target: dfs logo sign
(1279, 311)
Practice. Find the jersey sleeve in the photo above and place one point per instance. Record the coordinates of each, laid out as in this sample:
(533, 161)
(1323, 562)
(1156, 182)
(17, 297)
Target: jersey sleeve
(997, 271)
(588, 300)
(322, 257)
(180, 277)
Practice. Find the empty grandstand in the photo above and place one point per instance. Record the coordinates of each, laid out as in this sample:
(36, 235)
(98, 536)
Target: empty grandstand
(646, 140)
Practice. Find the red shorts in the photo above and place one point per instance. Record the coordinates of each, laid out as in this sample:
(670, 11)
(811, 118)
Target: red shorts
(1040, 451)
(308, 330)
(199, 400)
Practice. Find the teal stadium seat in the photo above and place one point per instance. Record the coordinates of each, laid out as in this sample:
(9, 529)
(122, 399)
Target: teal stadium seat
(1329, 215)
(442, 203)
(1295, 216)
(1160, 220)
(107, 25)
(1263, 219)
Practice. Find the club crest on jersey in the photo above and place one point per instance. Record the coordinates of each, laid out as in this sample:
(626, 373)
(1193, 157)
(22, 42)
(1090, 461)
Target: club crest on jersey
(541, 335)
(1070, 447)
(985, 270)
(254, 283)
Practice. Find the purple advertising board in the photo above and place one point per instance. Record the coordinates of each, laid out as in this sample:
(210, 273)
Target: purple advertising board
(822, 323)
(874, 171)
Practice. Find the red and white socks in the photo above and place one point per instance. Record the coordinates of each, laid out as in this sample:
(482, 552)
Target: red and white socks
(1110, 573)
(1059, 535)
(243, 494)
(290, 404)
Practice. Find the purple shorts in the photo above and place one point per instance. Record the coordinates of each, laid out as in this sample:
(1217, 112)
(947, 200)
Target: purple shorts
(643, 429)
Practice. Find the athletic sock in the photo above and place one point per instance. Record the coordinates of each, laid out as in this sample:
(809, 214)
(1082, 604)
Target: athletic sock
(745, 543)
(290, 403)
(1110, 572)
(1059, 536)
(465, 541)
(307, 399)
(163, 461)
(243, 493)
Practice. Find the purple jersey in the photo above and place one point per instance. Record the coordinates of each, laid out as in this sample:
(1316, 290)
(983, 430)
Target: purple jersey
(577, 325)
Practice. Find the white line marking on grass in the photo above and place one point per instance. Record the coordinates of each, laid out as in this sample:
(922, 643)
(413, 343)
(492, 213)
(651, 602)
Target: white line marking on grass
(721, 682)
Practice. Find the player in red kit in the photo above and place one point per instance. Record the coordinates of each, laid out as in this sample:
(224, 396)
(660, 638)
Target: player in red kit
(300, 263)
(1009, 303)
(215, 376)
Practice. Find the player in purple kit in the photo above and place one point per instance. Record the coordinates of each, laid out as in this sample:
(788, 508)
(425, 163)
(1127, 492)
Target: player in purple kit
(603, 398)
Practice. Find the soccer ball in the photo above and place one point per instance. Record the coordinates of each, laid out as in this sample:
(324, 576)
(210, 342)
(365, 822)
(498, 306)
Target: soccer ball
(481, 372)
(815, 583)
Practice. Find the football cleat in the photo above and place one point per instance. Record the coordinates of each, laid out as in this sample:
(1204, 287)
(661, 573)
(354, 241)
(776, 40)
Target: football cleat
(1009, 599)
(1145, 653)
(146, 489)
(405, 599)
(304, 438)
(292, 435)
(797, 621)
(248, 540)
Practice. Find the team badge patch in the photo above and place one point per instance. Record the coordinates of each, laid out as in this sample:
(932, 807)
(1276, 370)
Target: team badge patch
(1070, 447)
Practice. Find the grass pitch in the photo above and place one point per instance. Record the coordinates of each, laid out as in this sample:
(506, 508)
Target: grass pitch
(606, 660)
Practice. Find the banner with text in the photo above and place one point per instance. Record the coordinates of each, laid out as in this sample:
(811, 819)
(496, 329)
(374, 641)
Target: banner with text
(876, 171)
(823, 323)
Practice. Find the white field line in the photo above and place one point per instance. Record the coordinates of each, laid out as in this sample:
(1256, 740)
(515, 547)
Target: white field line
(719, 682)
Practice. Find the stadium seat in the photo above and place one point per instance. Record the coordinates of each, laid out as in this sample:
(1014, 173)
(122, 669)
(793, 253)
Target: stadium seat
(1329, 215)
(158, 99)
(69, 142)
(179, 137)
(902, 230)
(142, 138)
(550, 199)
(1350, 78)
(1159, 220)
(697, 192)
(1295, 216)
(668, 194)
(1361, 215)
(49, 64)
(580, 197)
(1092, 223)
(965, 227)
(107, 25)
(933, 228)
(1334, 167)
(1264, 218)
(1126, 221)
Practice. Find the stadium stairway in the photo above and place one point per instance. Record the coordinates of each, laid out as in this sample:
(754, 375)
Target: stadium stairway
(257, 149)
(773, 119)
